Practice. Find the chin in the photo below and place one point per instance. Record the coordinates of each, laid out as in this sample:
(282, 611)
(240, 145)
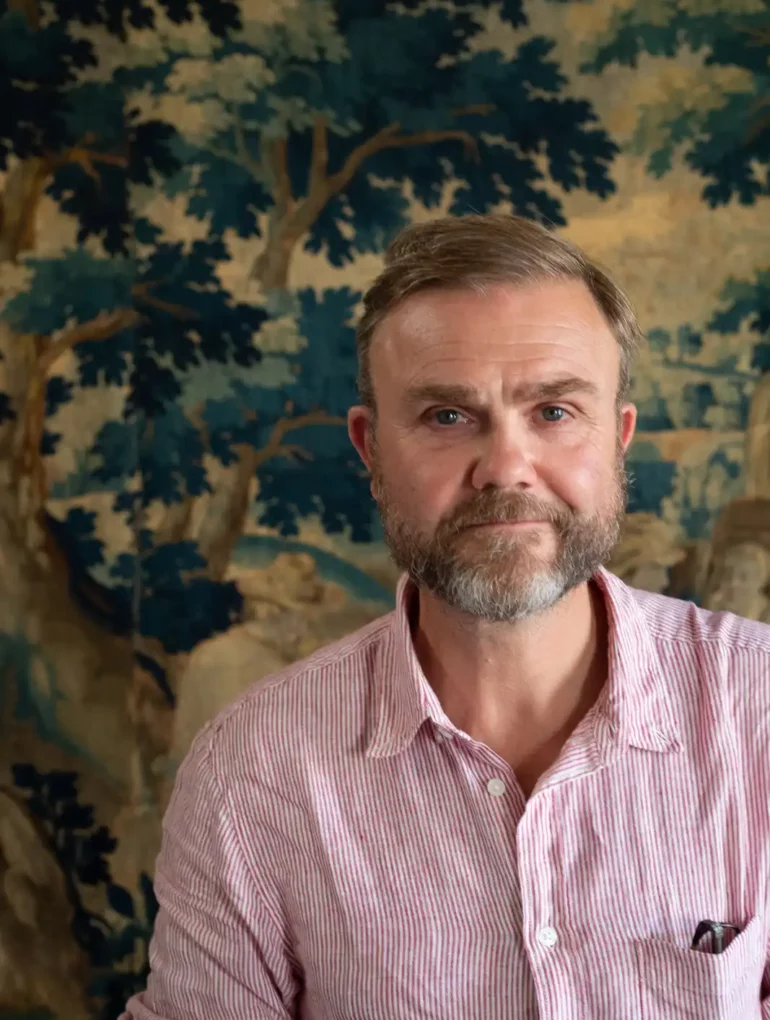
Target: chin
(513, 571)
(525, 550)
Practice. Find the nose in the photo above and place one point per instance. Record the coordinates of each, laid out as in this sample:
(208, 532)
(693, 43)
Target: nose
(505, 461)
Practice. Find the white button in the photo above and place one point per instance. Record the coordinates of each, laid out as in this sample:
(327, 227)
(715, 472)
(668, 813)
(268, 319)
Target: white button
(547, 937)
(440, 737)
(496, 787)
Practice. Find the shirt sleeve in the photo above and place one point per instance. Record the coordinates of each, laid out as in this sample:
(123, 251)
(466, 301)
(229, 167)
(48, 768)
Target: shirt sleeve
(220, 949)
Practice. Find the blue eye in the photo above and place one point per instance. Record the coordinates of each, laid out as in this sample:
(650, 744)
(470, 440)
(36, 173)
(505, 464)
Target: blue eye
(559, 413)
(447, 412)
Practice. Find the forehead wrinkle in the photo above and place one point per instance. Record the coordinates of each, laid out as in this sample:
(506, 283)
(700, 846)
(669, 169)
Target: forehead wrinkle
(537, 390)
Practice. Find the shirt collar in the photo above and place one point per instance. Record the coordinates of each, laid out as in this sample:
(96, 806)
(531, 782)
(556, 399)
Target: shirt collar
(635, 702)
(403, 697)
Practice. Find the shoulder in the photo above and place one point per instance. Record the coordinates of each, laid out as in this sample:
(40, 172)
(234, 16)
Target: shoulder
(318, 700)
(677, 620)
(716, 665)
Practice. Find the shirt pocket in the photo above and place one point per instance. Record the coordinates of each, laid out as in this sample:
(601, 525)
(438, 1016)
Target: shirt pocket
(686, 984)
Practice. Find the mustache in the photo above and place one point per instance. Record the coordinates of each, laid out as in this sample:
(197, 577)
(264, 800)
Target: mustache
(499, 508)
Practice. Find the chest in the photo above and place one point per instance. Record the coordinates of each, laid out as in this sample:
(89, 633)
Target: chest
(438, 892)
(530, 762)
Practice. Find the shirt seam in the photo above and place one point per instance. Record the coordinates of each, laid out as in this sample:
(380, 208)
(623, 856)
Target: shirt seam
(731, 646)
(290, 673)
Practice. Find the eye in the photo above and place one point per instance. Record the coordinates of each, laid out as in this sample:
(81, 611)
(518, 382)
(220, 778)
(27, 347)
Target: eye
(554, 413)
(446, 416)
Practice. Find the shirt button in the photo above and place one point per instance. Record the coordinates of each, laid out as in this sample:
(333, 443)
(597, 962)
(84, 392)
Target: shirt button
(496, 787)
(440, 737)
(547, 937)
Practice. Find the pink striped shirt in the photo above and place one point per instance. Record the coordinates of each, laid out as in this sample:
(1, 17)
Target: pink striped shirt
(335, 849)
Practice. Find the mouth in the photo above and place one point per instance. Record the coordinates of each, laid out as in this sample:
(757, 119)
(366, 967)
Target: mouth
(509, 524)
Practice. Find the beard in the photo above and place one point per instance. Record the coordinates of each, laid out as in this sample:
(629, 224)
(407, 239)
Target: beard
(502, 575)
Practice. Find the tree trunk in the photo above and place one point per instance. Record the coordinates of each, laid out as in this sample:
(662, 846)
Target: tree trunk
(41, 965)
(29, 8)
(75, 672)
(226, 512)
(271, 267)
(66, 664)
(23, 190)
(225, 516)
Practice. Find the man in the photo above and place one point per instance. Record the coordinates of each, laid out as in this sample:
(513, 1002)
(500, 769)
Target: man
(520, 793)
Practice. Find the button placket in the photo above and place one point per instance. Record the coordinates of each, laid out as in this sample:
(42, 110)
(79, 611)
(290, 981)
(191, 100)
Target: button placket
(547, 937)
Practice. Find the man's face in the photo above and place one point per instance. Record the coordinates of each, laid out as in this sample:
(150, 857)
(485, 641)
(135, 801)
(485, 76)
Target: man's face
(497, 453)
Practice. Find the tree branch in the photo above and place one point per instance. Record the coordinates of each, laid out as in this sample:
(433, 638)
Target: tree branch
(474, 109)
(105, 325)
(289, 229)
(295, 451)
(470, 144)
(228, 155)
(319, 161)
(291, 222)
(27, 460)
(368, 148)
(389, 138)
(86, 158)
(759, 36)
(142, 292)
(275, 447)
(217, 547)
(26, 183)
(277, 161)
(176, 522)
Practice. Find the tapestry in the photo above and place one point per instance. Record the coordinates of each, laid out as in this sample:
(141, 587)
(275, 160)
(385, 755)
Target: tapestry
(195, 194)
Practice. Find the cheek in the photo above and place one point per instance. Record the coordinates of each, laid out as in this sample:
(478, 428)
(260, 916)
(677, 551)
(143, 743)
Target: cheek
(581, 476)
(428, 483)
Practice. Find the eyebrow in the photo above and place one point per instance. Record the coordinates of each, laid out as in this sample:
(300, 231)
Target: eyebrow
(457, 393)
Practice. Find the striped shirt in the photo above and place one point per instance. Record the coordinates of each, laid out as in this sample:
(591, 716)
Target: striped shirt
(336, 849)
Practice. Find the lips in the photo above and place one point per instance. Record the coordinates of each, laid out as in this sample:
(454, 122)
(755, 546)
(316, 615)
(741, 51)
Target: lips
(497, 524)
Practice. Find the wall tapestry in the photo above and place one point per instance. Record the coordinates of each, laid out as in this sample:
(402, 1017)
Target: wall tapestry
(194, 195)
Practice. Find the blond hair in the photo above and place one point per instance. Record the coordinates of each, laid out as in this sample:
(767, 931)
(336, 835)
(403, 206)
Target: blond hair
(474, 251)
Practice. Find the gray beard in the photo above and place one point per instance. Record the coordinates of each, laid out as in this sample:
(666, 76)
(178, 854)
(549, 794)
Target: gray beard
(498, 576)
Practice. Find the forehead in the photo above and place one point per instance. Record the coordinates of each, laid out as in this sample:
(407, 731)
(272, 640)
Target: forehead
(503, 332)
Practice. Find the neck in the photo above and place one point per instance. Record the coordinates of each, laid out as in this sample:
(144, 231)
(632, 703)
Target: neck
(516, 687)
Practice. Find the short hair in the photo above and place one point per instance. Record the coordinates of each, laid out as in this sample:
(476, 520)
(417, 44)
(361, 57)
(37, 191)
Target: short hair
(474, 251)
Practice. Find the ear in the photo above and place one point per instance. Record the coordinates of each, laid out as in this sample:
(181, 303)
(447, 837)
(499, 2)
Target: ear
(360, 430)
(628, 414)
